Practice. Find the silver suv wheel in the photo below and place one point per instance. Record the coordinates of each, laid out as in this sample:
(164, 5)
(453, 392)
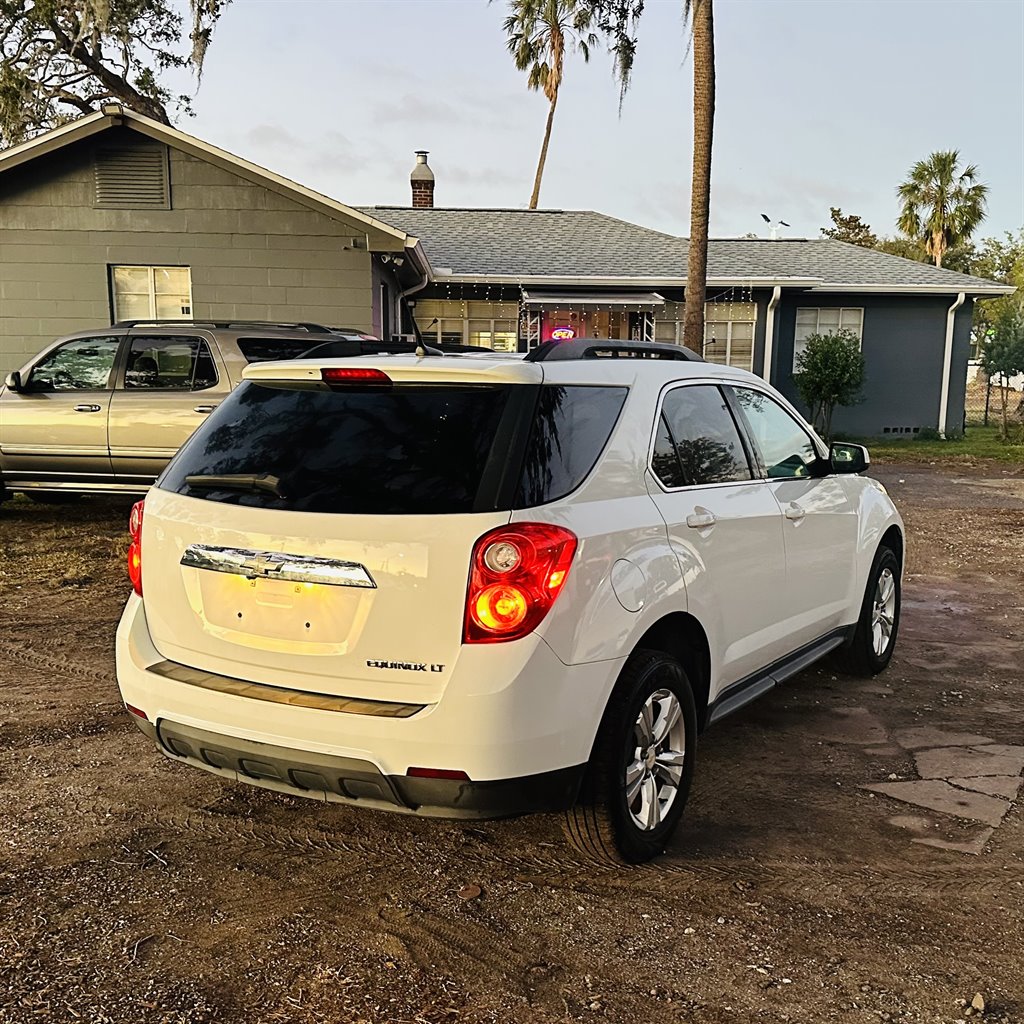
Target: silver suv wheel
(884, 612)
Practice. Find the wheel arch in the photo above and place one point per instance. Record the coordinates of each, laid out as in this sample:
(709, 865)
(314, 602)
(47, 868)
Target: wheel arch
(681, 636)
(893, 540)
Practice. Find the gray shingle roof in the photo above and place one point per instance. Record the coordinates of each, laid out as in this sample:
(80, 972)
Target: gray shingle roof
(584, 244)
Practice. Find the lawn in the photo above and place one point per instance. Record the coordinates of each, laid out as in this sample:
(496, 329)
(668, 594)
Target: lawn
(977, 443)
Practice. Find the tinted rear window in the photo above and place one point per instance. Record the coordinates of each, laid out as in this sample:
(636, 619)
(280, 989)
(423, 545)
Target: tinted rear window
(404, 450)
(570, 429)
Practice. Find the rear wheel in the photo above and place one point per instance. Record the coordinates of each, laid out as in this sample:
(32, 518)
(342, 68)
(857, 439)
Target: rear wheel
(875, 637)
(642, 765)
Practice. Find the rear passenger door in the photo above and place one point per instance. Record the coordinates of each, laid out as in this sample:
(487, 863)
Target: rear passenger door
(167, 386)
(726, 528)
(820, 521)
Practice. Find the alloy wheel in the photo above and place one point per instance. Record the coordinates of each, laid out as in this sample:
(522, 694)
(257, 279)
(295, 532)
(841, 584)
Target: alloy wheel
(654, 770)
(883, 613)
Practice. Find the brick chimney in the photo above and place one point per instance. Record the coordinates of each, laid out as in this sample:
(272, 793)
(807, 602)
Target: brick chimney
(422, 181)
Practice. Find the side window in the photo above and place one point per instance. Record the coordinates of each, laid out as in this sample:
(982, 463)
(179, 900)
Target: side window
(786, 448)
(664, 461)
(701, 431)
(169, 364)
(571, 426)
(260, 350)
(80, 365)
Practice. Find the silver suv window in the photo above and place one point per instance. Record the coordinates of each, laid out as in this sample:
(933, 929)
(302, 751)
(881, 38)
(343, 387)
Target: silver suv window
(169, 364)
(80, 365)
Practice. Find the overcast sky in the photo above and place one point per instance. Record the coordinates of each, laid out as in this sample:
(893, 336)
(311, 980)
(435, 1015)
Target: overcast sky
(820, 103)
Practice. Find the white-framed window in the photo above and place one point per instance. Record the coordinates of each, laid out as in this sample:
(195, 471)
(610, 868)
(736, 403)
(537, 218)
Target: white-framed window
(151, 293)
(825, 320)
(728, 331)
(493, 325)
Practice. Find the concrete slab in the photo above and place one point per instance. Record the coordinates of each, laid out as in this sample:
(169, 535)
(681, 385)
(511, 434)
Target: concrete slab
(929, 736)
(939, 795)
(995, 785)
(851, 725)
(974, 846)
(969, 762)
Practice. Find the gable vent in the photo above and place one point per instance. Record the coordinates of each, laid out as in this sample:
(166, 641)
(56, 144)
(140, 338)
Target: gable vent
(134, 177)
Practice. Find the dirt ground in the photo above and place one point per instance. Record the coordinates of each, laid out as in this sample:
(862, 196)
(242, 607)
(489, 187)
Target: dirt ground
(134, 890)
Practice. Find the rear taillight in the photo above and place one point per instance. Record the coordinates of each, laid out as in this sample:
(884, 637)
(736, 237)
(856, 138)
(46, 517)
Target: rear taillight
(353, 375)
(515, 576)
(135, 548)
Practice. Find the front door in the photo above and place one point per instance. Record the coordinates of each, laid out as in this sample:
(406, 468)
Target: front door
(54, 430)
(726, 528)
(171, 383)
(820, 520)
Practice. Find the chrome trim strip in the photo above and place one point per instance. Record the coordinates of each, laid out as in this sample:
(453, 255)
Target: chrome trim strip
(331, 572)
(278, 695)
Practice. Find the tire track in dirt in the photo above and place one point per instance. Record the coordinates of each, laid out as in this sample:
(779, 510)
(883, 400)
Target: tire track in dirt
(25, 655)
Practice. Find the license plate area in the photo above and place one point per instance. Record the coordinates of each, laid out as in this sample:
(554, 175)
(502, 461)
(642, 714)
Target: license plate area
(278, 615)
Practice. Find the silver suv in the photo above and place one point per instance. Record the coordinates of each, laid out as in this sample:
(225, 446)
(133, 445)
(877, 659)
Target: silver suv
(105, 409)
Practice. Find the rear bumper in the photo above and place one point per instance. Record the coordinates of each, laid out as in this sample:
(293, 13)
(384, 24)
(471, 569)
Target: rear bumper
(524, 741)
(349, 780)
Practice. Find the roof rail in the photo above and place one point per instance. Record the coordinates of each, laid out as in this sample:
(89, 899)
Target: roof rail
(588, 348)
(227, 324)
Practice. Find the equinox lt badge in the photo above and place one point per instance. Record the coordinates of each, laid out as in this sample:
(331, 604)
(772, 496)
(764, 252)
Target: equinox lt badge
(405, 666)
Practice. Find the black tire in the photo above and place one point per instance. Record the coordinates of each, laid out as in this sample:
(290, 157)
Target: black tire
(601, 825)
(52, 497)
(859, 658)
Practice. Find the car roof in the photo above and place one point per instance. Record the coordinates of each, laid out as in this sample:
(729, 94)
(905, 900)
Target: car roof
(500, 368)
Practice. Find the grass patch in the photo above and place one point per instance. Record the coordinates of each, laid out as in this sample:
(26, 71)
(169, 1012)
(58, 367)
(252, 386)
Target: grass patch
(977, 443)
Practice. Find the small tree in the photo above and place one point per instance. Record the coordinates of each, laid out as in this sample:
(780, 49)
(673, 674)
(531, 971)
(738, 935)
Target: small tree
(1003, 355)
(830, 372)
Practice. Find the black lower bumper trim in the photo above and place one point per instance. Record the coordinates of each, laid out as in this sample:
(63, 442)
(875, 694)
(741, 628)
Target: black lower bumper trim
(351, 780)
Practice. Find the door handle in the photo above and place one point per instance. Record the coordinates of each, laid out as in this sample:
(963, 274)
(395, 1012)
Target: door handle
(204, 408)
(700, 519)
(87, 408)
(795, 513)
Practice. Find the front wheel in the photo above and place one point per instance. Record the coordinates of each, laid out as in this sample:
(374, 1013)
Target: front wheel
(875, 637)
(642, 765)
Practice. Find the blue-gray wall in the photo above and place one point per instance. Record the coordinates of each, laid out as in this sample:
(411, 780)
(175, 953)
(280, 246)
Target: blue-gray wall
(903, 344)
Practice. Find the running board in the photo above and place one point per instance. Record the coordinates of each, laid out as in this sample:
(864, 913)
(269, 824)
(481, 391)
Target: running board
(746, 690)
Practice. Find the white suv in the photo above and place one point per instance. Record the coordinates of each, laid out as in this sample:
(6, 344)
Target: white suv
(482, 587)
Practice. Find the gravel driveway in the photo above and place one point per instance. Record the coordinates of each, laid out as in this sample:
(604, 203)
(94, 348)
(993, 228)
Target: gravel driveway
(853, 850)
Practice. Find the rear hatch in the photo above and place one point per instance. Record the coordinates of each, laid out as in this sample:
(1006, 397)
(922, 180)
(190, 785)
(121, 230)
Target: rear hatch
(318, 535)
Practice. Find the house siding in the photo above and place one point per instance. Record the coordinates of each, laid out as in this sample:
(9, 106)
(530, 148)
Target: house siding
(903, 343)
(253, 253)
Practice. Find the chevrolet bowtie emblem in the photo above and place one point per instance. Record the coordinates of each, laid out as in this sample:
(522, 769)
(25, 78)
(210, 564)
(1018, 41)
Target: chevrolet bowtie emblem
(263, 565)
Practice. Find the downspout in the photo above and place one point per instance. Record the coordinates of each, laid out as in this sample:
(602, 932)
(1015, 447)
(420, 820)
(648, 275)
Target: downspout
(947, 360)
(416, 252)
(769, 333)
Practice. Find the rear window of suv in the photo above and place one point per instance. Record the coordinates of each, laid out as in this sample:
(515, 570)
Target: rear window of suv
(408, 449)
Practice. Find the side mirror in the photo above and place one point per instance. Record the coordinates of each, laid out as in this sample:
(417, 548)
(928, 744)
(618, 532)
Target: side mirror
(13, 381)
(848, 458)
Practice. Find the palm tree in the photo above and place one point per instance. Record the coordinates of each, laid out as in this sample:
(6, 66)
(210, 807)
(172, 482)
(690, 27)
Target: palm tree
(538, 32)
(617, 19)
(940, 206)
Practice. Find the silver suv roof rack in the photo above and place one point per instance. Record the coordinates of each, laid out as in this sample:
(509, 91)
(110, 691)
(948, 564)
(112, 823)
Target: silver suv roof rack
(587, 348)
(225, 325)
